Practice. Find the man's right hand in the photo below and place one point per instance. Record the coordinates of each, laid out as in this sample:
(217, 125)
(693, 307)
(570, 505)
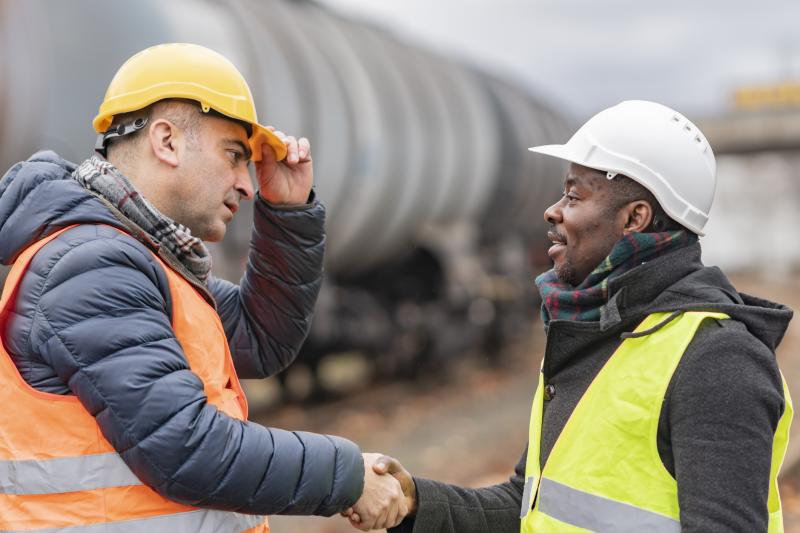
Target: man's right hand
(390, 465)
(382, 503)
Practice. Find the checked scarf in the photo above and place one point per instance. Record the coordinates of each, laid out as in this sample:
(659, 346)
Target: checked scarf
(582, 303)
(103, 179)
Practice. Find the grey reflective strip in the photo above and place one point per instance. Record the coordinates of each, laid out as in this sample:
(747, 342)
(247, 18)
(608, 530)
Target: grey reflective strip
(65, 474)
(525, 508)
(201, 521)
(599, 514)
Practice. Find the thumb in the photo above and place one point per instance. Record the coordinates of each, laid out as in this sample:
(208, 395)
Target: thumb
(387, 465)
(380, 466)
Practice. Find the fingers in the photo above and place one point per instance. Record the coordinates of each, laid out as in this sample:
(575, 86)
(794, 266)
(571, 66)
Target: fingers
(304, 149)
(383, 503)
(387, 465)
(395, 515)
(297, 150)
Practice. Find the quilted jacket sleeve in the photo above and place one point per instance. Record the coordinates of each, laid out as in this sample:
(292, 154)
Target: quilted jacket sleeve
(267, 317)
(114, 346)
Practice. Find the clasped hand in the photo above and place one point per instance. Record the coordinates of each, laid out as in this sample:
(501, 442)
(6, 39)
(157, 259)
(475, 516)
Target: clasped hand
(389, 494)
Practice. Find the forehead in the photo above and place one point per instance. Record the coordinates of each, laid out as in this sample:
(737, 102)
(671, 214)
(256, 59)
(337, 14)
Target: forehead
(221, 127)
(581, 176)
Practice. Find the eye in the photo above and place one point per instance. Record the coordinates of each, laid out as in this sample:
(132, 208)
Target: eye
(570, 197)
(235, 156)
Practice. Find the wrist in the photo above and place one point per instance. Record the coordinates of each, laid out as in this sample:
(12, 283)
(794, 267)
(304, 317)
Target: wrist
(310, 199)
(411, 499)
(297, 201)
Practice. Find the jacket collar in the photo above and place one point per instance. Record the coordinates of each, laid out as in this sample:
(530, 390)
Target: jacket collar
(632, 294)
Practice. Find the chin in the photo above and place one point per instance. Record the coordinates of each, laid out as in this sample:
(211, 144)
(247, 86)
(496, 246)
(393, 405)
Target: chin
(214, 235)
(211, 232)
(566, 274)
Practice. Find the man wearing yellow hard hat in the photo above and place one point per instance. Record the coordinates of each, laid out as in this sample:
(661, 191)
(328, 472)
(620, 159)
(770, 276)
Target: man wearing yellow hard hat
(122, 353)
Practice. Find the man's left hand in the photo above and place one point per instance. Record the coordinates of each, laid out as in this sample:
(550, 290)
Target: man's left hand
(286, 182)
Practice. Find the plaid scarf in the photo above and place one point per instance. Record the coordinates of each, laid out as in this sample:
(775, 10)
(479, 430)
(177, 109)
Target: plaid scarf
(582, 303)
(103, 179)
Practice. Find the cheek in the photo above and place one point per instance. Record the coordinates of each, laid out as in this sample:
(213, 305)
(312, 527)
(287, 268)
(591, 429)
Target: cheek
(588, 233)
(208, 184)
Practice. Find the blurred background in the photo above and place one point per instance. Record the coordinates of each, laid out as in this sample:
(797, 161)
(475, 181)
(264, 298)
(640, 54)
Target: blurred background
(426, 340)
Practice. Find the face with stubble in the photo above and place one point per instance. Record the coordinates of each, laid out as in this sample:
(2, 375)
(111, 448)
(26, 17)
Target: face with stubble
(212, 178)
(584, 224)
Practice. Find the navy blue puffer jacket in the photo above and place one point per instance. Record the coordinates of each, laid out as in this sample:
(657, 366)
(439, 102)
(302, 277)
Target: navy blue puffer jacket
(92, 319)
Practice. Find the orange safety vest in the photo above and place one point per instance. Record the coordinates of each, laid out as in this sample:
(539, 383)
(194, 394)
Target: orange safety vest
(56, 468)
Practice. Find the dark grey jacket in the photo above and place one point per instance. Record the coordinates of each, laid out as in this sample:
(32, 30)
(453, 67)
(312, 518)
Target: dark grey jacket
(719, 415)
(92, 318)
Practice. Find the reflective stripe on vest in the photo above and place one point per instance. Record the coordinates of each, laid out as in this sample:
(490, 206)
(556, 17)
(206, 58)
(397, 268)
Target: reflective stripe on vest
(65, 474)
(200, 521)
(604, 472)
(58, 472)
(596, 513)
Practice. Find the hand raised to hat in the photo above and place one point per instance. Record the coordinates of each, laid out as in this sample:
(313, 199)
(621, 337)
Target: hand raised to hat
(286, 182)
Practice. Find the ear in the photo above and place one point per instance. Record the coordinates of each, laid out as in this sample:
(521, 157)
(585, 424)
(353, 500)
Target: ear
(638, 216)
(165, 141)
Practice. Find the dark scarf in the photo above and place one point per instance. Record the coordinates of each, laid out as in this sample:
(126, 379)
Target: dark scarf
(561, 301)
(103, 179)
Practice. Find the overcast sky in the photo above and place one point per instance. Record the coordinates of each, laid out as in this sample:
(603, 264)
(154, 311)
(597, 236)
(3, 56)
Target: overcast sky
(588, 54)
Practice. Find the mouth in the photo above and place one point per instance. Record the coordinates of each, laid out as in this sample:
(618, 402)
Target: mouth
(559, 243)
(232, 207)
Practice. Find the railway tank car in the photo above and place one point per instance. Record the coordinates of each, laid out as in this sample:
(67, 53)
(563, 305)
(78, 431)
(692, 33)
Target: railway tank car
(434, 204)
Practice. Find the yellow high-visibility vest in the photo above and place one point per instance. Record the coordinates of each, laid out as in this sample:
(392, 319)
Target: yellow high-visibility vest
(604, 472)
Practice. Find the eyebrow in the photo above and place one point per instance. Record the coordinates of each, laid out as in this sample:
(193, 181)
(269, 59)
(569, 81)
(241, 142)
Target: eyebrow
(572, 180)
(240, 144)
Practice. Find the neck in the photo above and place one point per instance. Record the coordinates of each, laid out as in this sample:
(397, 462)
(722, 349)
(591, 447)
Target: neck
(146, 180)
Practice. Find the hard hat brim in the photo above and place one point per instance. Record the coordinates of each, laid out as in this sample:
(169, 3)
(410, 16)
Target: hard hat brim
(560, 151)
(261, 136)
(566, 153)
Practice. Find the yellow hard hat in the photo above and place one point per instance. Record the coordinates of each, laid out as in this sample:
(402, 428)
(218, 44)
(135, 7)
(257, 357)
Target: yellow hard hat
(179, 70)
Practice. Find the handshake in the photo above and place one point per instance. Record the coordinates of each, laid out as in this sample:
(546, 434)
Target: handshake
(389, 494)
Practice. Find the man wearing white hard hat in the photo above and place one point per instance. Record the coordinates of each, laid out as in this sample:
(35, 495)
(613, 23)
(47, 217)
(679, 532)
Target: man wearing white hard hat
(660, 406)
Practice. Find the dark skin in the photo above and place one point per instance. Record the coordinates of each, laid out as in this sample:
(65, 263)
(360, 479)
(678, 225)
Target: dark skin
(586, 223)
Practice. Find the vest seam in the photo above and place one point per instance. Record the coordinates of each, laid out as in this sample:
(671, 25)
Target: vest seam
(654, 421)
(676, 376)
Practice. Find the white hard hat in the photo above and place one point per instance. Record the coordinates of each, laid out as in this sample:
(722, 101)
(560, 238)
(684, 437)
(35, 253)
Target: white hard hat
(656, 147)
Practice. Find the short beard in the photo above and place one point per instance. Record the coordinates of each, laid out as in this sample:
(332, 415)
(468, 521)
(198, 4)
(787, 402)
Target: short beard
(566, 274)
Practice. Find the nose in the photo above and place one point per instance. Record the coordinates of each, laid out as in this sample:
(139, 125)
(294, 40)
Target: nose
(552, 214)
(244, 184)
